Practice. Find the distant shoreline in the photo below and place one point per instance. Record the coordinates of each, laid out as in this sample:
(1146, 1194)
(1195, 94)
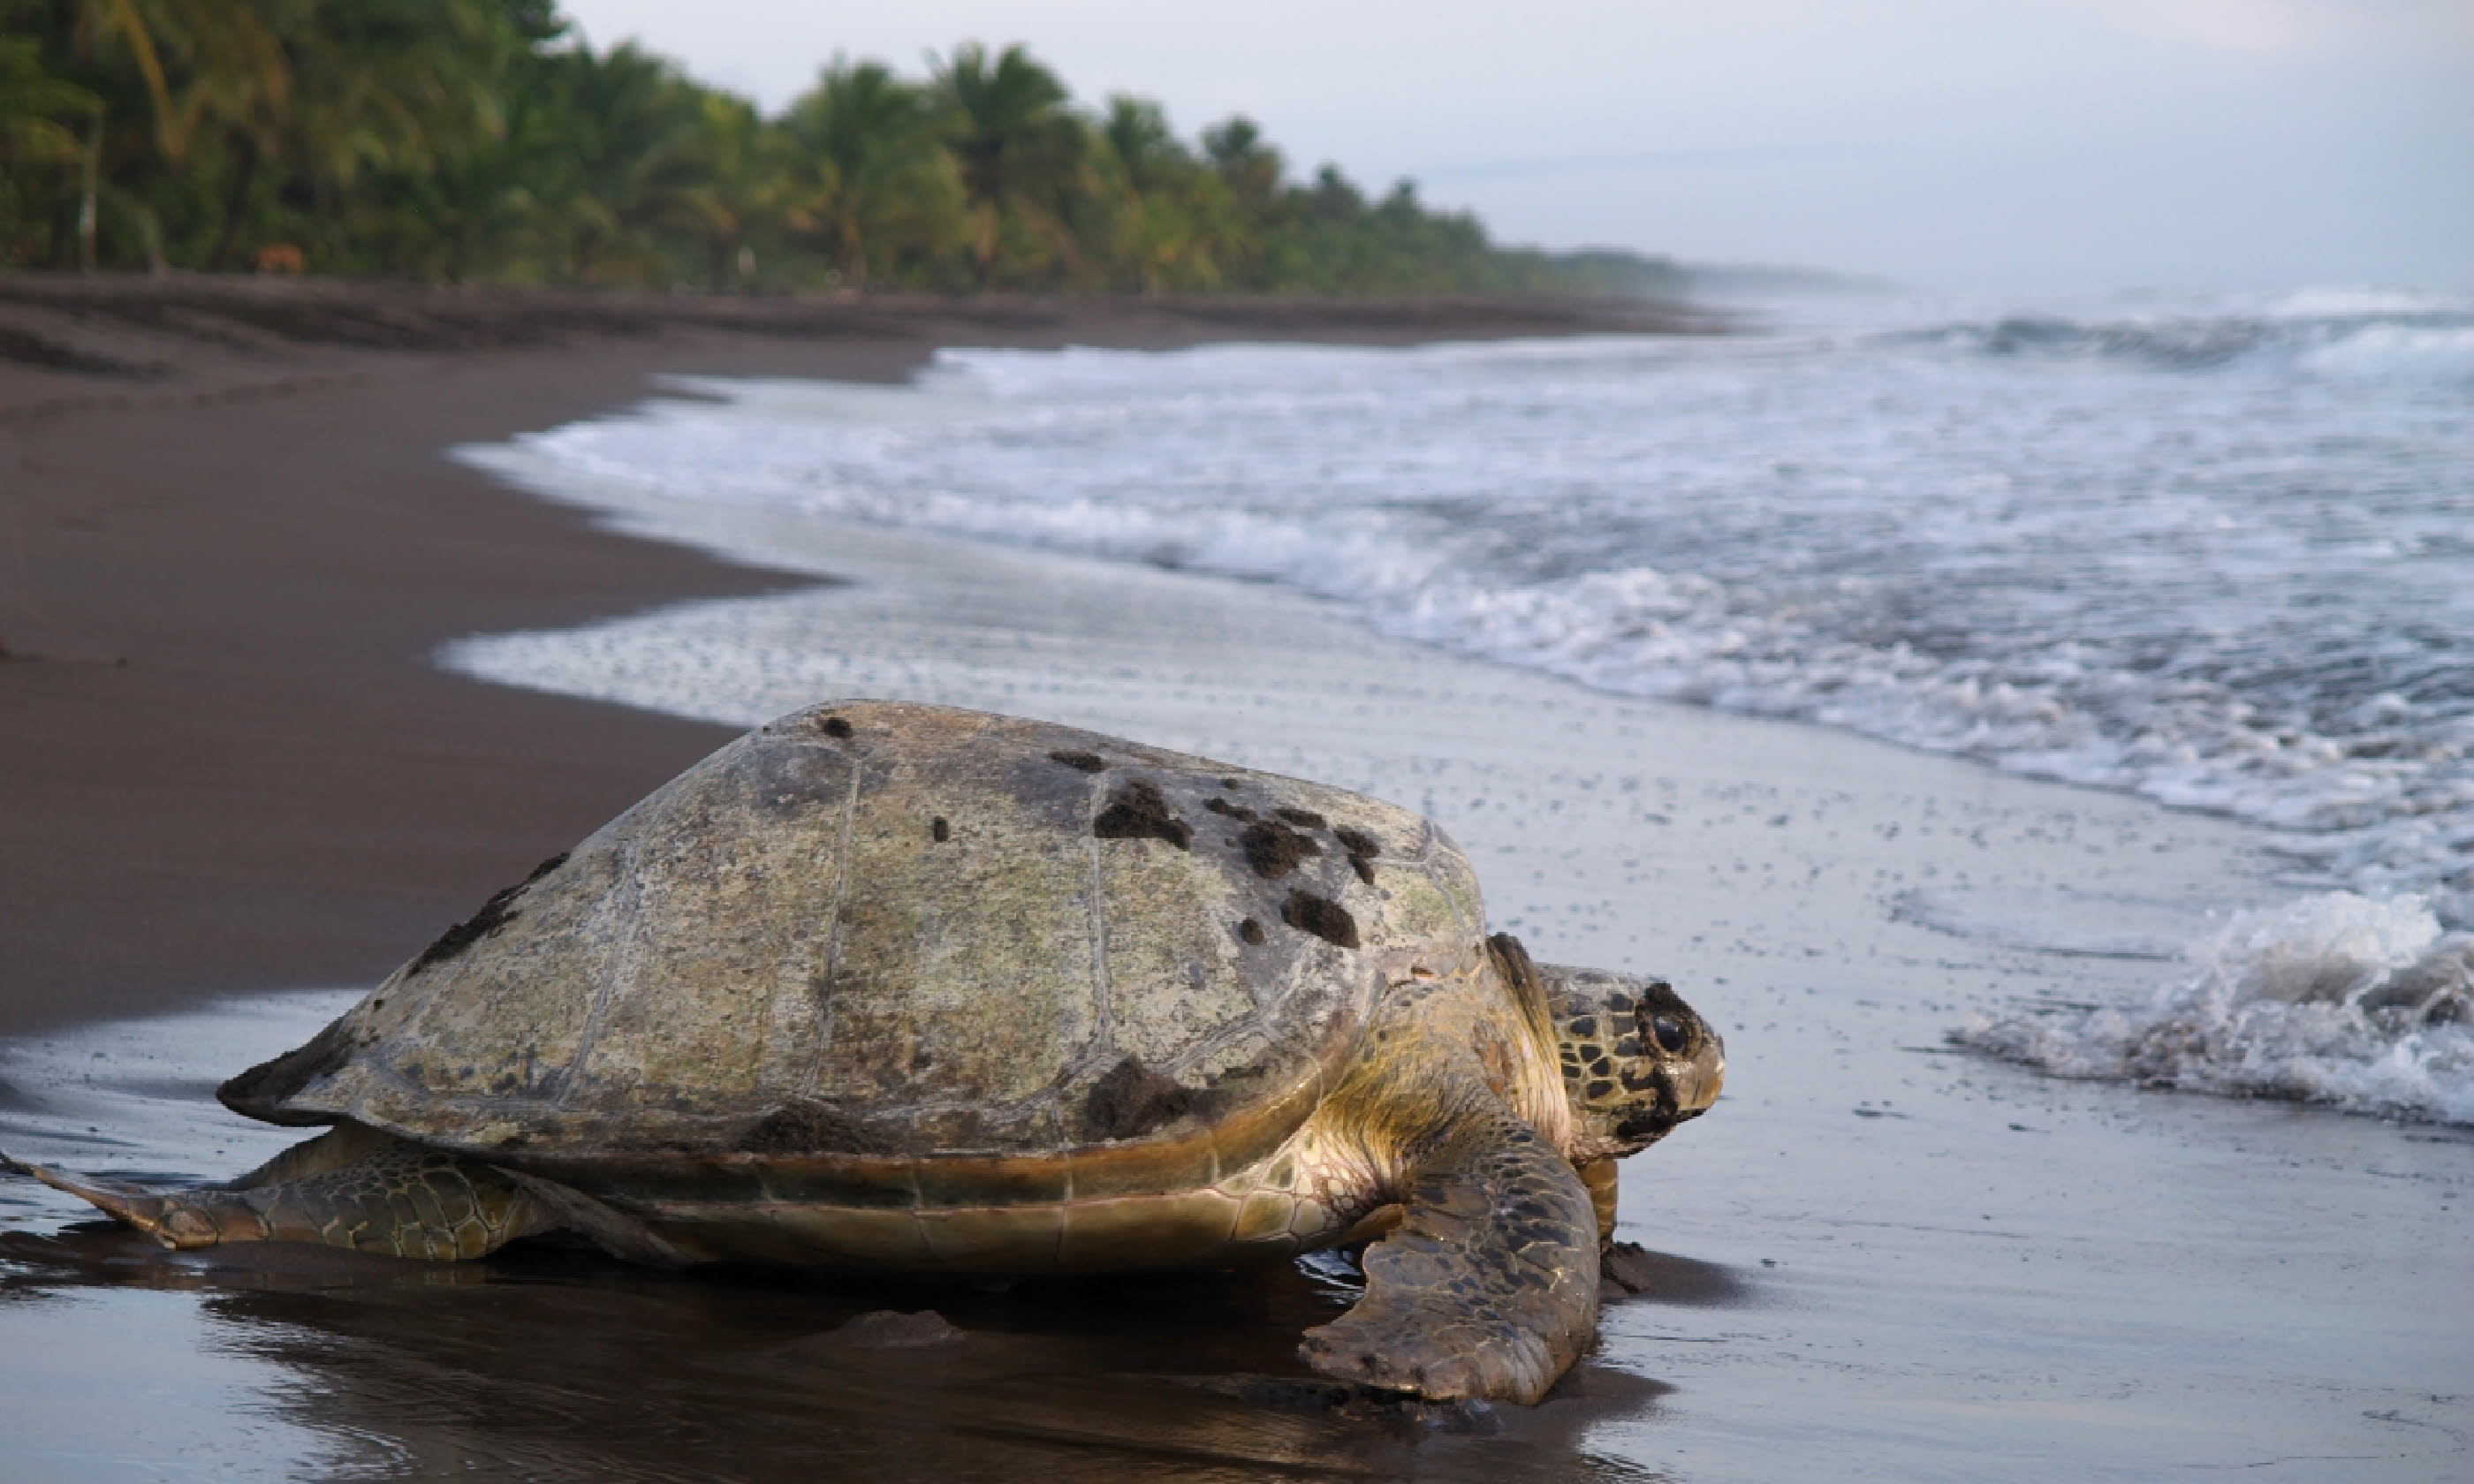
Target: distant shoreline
(88, 333)
(232, 542)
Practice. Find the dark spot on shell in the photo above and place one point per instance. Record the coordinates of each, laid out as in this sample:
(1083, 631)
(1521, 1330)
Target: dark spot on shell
(1629, 1045)
(1362, 848)
(1303, 819)
(1235, 811)
(1602, 1067)
(1136, 811)
(808, 1127)
(1251, 930)
(1087, 762)
(257, 1092)
(941, 830)
(1586, 1025)
(1274, 850)
(1132, 1100)
(1232, 782)
(1598, 1090)
(1639, 1081)
(1326, 919)
(834, 727)
(495, 914)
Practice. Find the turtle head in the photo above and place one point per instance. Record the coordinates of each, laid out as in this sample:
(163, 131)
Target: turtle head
(1636, 1060)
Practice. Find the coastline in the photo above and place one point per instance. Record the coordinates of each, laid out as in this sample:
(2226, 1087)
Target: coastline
(230, 546)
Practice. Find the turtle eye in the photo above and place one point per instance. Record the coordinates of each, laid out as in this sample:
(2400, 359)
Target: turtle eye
(1672, 1037)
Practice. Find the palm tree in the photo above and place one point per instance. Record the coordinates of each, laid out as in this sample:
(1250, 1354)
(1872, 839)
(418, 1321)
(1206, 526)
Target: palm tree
(734, 200)
(454, 209)
(1148, 153)
(33, 104)
(1252, 170)
(1244, 159)
(34, 109)
(1169, 210)
(1019, 148)
(387, 83)
(864, 177)
(318, 91)
(235, 91)
(99, 26)
(619, 161)
(91, 36)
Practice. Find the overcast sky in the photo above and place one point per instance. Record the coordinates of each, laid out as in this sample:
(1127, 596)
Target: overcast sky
(2019, 144)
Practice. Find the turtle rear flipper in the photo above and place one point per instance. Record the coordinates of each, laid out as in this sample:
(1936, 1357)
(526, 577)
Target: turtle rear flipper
(1488, 1287)
(167, 1217)
(348, 1188)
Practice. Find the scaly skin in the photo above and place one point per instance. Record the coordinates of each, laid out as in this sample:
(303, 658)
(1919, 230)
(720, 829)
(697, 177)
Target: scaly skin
(350, 1187)
(1488, 1287)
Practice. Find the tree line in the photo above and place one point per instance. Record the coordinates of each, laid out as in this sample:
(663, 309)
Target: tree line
(468, 140)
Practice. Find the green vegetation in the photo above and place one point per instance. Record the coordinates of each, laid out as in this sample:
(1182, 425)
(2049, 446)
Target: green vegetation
(461, 140)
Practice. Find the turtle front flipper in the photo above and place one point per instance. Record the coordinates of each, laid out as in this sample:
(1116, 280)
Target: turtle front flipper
(1488, 1287)
(348, 1187)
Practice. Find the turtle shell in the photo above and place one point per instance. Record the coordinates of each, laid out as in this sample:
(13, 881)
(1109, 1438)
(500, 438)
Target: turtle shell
(879, 935)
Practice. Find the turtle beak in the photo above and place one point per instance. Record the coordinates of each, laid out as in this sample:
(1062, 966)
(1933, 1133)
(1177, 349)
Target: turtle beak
(1697, 1081)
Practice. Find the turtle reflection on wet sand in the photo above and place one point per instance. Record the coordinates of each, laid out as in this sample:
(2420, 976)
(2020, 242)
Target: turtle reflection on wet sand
(907, 987)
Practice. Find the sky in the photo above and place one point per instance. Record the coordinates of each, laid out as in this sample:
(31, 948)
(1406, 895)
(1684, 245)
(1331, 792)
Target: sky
(2078, 146)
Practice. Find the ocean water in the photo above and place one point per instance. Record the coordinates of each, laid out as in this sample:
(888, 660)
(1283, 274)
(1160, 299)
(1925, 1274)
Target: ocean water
(2216, 551)
(2333, 998)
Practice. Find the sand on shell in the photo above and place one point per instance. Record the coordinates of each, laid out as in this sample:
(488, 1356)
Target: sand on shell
(1881, 1259)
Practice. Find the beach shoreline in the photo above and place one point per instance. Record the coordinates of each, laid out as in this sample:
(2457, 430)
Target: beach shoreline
(231, 538)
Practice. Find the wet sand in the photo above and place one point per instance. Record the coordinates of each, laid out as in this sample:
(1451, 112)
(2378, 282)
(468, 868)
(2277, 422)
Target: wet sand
(1878, 1259)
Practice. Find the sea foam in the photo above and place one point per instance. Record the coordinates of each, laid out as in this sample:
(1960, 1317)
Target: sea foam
(2335, 998)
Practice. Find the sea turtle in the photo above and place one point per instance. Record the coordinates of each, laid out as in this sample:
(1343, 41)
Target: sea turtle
(896, 985)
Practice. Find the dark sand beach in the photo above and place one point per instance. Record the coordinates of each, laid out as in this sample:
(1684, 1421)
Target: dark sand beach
(1876, 1259)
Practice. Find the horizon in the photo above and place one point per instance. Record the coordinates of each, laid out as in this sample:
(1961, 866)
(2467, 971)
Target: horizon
(2063, 146)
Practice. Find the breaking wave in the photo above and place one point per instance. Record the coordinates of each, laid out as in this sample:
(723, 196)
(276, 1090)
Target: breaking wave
(2355, 333)
(2337, 999)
